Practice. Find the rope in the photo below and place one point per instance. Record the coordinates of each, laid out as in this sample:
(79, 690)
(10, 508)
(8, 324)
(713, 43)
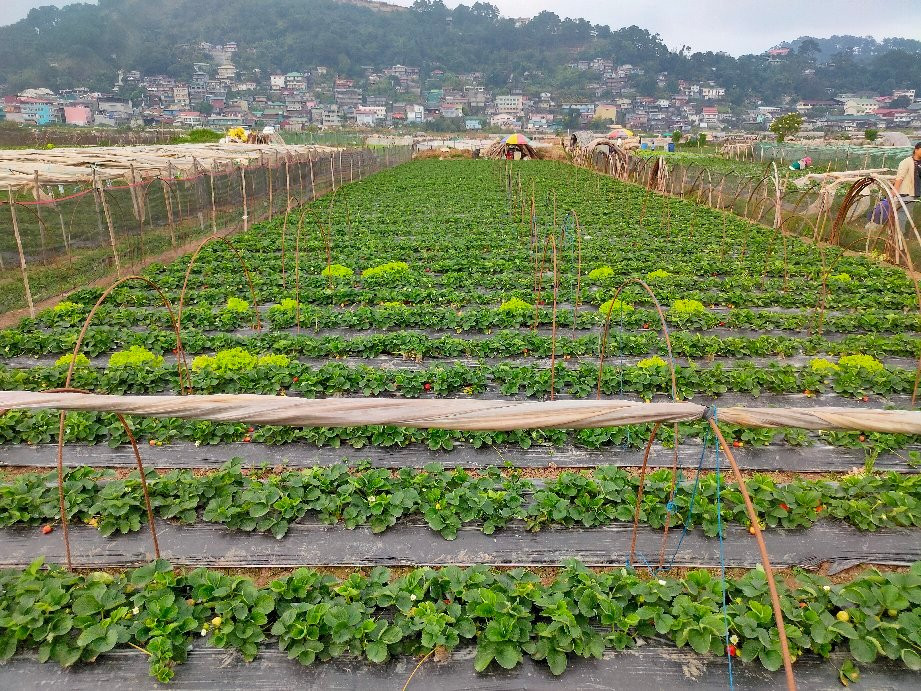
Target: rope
(687, 519)
(719, 530)
(457, 414)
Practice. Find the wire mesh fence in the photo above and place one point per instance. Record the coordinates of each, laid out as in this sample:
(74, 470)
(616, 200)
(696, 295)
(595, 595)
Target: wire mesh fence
(54, 239)
(842, 157)
(841, 210)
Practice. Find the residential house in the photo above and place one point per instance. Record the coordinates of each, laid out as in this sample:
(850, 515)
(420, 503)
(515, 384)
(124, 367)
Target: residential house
(348, 97)
(452, 110)
(226, 73)
(415, 114)
(510, 104)
(860, 106)
(473, 124)
(294, 80)
(709, 116)
(369, 116)
(190, 118)
(37, 111)
(181, 95)
(332, 117)
(605, 112)
(277, 82)
(117, 107)
(503, 120)
(78, 114)
(539, 122)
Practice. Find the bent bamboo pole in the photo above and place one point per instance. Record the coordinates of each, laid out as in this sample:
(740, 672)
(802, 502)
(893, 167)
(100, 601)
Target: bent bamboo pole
(457, 414)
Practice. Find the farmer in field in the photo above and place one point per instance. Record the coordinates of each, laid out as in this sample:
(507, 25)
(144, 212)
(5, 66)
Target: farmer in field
(908, 184)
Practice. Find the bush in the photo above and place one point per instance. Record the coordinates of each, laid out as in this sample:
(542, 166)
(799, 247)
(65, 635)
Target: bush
(688, 307)
(859, 361)
(135, 356)
(237, 360)
(822, 366)
(386, 269)
(237, 305)
(658, 273)
(654, 361)
(600, 273)
(516, 305)
(615, 307)
(272, 360)
(340, 271)
(64, 360)
(67, 307)
(233, 360)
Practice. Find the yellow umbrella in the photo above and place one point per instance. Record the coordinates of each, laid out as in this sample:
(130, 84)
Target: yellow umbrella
(620, 132)
(516, 139)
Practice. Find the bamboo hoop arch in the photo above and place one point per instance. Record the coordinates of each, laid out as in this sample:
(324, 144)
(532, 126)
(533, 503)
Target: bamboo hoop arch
(188, 272)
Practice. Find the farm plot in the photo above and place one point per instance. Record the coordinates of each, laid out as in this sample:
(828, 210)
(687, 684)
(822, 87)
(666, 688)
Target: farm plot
(471, 279)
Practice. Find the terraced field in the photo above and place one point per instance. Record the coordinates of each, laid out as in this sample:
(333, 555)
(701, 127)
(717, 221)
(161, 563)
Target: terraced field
(507, 556)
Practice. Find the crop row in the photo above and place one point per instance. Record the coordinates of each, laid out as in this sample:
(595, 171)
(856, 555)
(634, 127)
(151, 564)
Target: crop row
(33, 427)
(239, 371)
(486, 291)
(314, 617)
(506, 343)
(682, 314)
(447, 500)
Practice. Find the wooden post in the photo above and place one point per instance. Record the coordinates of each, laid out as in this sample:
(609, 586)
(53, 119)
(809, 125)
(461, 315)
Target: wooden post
(287, 185)
(70, 258)
(332, 171)
(269, 173)
(38, 216)
(168, 203)
(22, 256)
(105, 209)
(313, 184)
(302, 190)
(245, 210)
(351, 169)
(211, 175)
(341, 179)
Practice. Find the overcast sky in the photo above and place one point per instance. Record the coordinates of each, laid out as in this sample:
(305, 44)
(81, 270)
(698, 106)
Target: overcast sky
(734, 26)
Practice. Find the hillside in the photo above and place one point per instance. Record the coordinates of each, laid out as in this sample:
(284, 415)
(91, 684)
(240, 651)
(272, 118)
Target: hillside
(86, 44)
(862, 48)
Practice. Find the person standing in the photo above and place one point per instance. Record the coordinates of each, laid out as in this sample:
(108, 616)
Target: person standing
(908, 184)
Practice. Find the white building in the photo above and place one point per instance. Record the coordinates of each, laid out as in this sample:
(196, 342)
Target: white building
(510, 104)
(415, 114)
(226, 72)
(860, 106)
(277, 81)
(181, 95)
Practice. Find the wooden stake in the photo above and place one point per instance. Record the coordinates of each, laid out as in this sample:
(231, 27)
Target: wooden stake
(213, 204)
(38, 216)
(105, 209)
(168, 203)
(765, 560)
(245, 210)
(22, 256)
(269, 172)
